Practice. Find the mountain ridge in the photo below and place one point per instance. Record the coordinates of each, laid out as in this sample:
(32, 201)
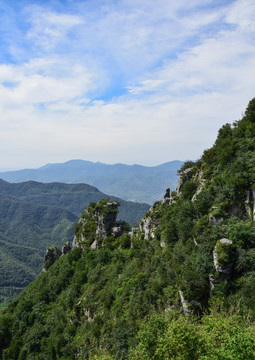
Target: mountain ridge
(129, 182)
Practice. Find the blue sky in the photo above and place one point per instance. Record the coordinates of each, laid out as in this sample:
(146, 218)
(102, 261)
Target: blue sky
(132, 81)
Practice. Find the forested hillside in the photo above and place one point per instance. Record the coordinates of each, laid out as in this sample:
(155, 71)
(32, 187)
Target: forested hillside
(181, 285)
(34, 216)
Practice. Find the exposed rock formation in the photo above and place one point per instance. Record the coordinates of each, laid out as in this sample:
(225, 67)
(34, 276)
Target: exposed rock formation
(201, 184)
(51, 255)
(105, 219)
(216, 216)
(117, 230)
(146, 226)
(167, 196)
(184, 303)
(250, 204)
(186, 175)
(66, 248)
(223, 258)
(97, 222)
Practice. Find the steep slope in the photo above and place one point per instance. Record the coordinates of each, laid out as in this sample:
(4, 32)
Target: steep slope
(119, 295)
(34, 216)
(136, 182)
(26, 230)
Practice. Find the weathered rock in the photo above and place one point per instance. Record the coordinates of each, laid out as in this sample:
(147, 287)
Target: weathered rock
(248, 205)
(167, 197)
(75, 242)
(223, 258)
(117, 230)
(51, 255)
(105, 221)
(147, 227)
(162, 244)
(66, 248)
(96, 224)
(201, 184)
(94, 244)
(216, 216)
(184, 303)
(186, 175)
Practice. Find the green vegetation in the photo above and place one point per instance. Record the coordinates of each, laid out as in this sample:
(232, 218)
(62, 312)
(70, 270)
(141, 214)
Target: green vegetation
(33, 216)
(158, 292)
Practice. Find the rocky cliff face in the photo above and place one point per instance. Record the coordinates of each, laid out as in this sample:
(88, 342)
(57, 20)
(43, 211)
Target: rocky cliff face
(51, 255)
(98, 221)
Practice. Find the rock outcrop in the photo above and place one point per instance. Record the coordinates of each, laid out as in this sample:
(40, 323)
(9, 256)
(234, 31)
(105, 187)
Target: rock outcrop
(51, 255)
(216, 215)
(167, 196)
(150, 221)
(186, 175)
(98, 221)
(66, 248)
(223, 258)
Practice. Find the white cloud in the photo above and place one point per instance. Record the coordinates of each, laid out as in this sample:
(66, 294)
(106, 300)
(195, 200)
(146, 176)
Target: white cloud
(125, 81)
(48, 27)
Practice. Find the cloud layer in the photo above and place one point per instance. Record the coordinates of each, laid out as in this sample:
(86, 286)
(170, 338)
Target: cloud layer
(121, 81)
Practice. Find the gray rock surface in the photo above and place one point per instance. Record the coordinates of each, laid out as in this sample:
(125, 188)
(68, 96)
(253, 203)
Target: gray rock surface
(224, 269)
(215, 219)
(51, 255)
(186, 175)
(66, 248)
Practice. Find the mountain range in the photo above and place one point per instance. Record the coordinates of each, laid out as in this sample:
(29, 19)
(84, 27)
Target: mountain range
(129, 182)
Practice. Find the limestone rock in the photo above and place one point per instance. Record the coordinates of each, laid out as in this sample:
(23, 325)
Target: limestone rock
(186, 175)
(201, 184)
(223, 258)
(250, 204)
(51, 255)
(117, 230)
(184, 303)
(147, 227)
(167, 197)
(98, 221)
(105, 221)
(216, 216)
(94, 244)
(66, 248)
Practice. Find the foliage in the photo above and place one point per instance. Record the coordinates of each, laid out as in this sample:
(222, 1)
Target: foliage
(218, 335)
(33, 216)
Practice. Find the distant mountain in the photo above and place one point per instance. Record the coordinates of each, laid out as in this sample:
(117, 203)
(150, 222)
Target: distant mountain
(129, 182)
(34, 216)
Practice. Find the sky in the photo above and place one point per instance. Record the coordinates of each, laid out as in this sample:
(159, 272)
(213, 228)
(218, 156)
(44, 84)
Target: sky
(130, 81)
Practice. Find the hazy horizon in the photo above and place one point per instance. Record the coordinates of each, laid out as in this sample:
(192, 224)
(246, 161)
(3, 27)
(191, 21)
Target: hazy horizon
(55, 163)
